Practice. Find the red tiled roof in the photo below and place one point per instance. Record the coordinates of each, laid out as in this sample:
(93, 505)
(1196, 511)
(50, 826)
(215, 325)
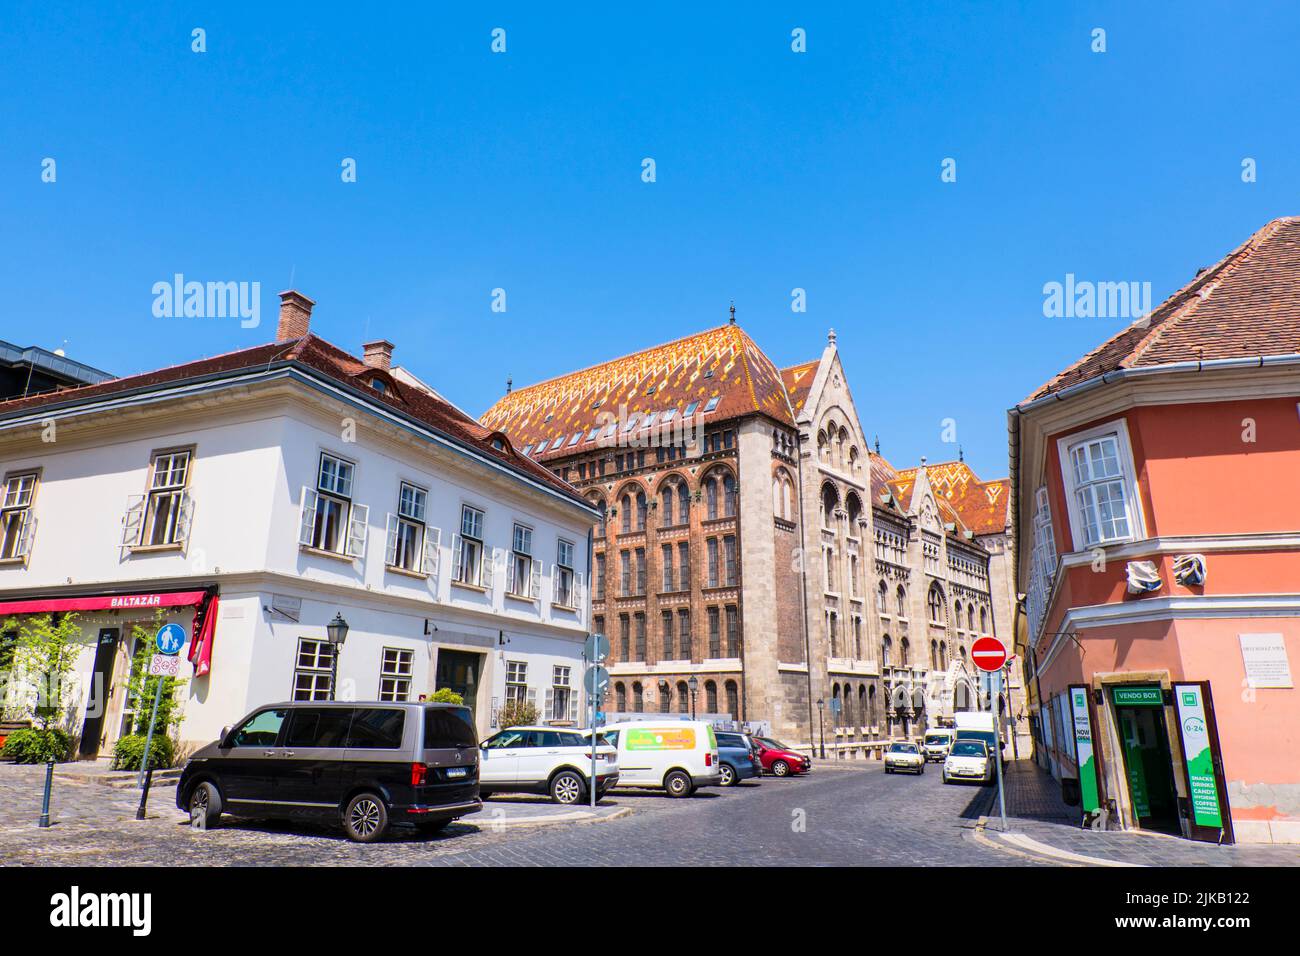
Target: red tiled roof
(314, 353)
(798, 380)
(980, 505)
(723, 363)
(1247, 304)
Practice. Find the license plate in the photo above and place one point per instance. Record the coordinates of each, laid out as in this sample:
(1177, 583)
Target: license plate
(457, 772)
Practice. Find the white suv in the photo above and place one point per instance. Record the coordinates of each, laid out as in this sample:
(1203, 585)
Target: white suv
(544, 760)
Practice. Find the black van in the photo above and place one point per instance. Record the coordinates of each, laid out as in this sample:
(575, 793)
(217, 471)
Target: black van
(365, 765)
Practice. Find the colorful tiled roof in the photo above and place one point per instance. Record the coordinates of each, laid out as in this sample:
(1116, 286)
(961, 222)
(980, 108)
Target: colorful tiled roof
(980, 505)
(798, 380)
(722, 363)
(1246, 305)
(314, 353)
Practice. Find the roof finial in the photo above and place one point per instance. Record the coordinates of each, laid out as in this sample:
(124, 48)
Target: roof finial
(733, 311)
(877, 444)
(922, 461)
(830, 337)
(509, 385)
(961, 456)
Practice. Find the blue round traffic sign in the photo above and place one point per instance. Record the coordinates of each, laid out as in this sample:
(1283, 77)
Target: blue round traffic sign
(170, 639)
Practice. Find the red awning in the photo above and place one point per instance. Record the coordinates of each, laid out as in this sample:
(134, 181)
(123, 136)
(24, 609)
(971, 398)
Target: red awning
(104, 602)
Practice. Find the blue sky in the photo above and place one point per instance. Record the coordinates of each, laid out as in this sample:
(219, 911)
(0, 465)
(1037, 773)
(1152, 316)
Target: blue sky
(522, 171)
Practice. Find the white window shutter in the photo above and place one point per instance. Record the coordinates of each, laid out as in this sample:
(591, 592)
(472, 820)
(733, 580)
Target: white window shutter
(358, 529)
(133, 522)
(432, 551)
(573, 704)
(26, 535)
(184, 517)
(532, 697)
(510, 575)
(307, 524)
(390, 548)
(457, 559)
(549, 712)
(535, 585)
(577, 590)
(487, 567)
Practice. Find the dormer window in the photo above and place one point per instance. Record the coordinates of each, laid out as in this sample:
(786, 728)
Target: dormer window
(379, 385)
(711, 404)
(498, 444)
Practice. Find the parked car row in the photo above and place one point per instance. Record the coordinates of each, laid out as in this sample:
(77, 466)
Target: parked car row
(370, 765)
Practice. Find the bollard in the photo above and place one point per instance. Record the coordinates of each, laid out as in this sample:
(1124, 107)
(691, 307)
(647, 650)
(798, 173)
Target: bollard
(45, 803)
(144, 792)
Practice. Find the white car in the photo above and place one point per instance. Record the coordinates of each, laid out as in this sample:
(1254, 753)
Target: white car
(904, 756)
(937, 743)
(544, 760)
(968, 760)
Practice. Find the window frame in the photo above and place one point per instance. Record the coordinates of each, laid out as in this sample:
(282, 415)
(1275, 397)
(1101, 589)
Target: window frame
(24, 513)
(316, 672)
(400, 679)
(1118, 429)
(178, 493)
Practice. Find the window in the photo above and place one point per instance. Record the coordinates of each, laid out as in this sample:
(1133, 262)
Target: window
(16, 521)
(638, 698)
(666, 635)
(638, 620)
(690, 409)
(260, 730)
(684, 565)
(376, 728)
(733, 700)
(395, 674)
(729, 558)
(901, 599)
(318, 727)
(561, 693)
(935, 603)
(516, 682)
(620, 700)
(407, 533)
(1042, 564)
(683, 697)
(984, 620)
(733, 631)
(625, 637)
(715, 636)
(163, 521)
(330, 520)
(711, 404)
(600, 576)
(711, 547)
(882, 598)
(684, 634)
(1098, 471)
(640, 510)
(524, 579)
(710, 697)
(640, 571)
(905, 652)
(472, 563)
(625, 569)
(566, 592)
(666, 559)
(311, 676)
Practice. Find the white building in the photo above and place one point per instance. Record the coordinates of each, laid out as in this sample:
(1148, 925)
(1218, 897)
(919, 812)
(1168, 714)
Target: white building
(294, 482)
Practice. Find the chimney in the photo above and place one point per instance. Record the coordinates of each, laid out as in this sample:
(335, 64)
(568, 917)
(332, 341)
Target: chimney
(378, 354)
(295, 316)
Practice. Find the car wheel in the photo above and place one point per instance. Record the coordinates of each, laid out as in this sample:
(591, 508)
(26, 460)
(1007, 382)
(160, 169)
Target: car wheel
(206, 797)
(781, 768)
(678, 784)
(567, 787)
(729, 778)
(366, 818)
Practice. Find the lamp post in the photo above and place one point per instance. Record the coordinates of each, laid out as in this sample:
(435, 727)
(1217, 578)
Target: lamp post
(694, 685)
(337, 632)
(821, 722)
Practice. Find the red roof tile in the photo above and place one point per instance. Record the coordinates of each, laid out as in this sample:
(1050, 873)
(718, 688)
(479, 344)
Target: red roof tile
(1246, 305)
(314, 353)
(980, 505)
(798, 380)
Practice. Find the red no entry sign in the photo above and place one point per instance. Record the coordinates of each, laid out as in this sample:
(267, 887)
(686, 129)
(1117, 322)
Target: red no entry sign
(988, 654)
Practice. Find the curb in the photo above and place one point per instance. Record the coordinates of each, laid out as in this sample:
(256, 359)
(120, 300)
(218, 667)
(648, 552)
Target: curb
(577, 816)
(1025, 846)
(127, 780)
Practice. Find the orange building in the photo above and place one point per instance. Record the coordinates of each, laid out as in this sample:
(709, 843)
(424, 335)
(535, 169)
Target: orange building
(1156, 501)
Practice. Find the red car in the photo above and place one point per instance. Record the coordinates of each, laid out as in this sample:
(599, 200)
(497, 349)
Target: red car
(780, 760)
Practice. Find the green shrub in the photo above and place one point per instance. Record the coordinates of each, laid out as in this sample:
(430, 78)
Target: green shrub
(517, 714)
(37, 746)
(129, 750)
(445, 695)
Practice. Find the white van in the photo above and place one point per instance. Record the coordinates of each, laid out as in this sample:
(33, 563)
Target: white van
(677, 755)
(937, 742)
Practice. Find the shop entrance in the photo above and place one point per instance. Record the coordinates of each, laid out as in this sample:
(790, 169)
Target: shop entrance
(459, 671)
(1144, 741)
(101, 685)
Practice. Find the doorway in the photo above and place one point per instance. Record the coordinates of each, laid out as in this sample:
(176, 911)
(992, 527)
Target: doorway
(459, 671)
(1148, 768)
(101, 685)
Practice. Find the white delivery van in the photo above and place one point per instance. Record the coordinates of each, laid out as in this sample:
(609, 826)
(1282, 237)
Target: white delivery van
(937, 742)
(981, 726)
(676, 755)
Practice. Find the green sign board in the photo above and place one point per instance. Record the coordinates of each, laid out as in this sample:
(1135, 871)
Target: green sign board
(1197, 751)
(1083, 749)
(1137, 696)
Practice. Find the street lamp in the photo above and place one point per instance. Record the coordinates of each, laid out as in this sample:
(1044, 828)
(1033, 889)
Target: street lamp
(694, 685)
(821, 722)
(337, 632)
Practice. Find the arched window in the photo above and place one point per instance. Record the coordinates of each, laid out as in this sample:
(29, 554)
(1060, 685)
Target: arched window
(666, 503)
(683, 698)
(936, 604)
(620, 698)
(970, 618)
(956, 615)
(710, 697)
(854, 507)
(837, 707)
(901, 596)
(823, 449)
(638, 698)
(904, 651)
(729, 495)
(886, 647)
(733, 700)
(848, 706)
(984, 620)
(882, 598)
(934, 654)
(871, 705)
(862, 703)
(829, 502)
(599, 504)
(711, 497)
(640, 510)
(626, 524)
(943, 654)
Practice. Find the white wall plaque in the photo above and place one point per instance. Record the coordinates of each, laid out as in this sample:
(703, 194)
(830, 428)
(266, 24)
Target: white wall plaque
(1266, 661)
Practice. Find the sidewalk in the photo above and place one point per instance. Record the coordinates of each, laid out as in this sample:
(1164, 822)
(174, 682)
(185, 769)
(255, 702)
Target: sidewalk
(1040, 824)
